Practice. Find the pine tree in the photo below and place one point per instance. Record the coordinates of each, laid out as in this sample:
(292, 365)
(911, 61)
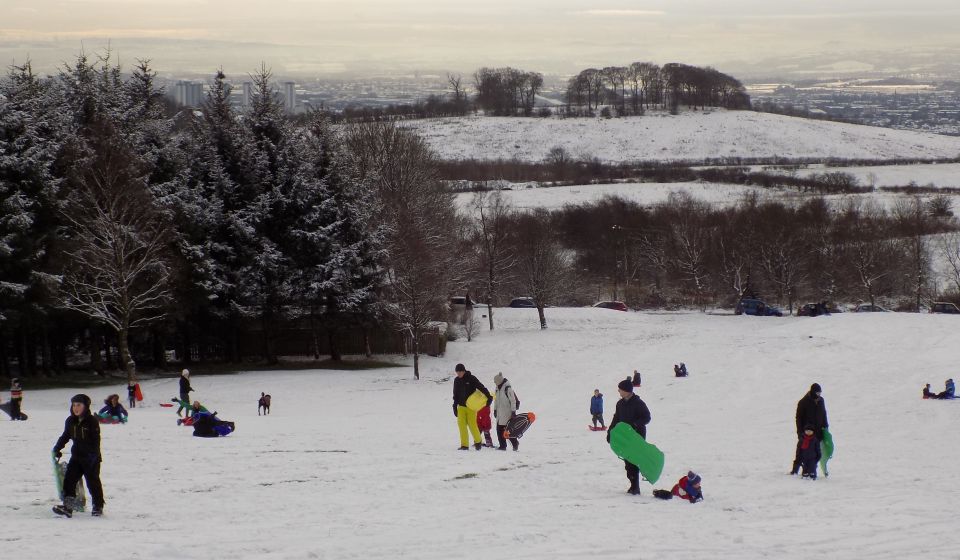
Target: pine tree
(30, 197)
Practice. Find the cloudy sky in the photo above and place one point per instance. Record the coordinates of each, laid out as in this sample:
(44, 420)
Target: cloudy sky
(324, 36)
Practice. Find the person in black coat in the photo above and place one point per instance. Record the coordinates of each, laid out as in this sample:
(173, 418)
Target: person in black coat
(185, 390)
(465, 385)
(632, 411)
(811, 411)
(84, 429)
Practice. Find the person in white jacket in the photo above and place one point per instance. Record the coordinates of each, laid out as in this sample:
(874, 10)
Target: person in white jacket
(504, 408)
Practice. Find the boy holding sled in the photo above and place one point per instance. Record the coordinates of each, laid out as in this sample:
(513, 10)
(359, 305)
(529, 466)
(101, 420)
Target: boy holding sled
(84, 429)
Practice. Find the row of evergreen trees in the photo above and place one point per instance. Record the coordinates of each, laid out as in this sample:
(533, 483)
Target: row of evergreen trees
(118, 218)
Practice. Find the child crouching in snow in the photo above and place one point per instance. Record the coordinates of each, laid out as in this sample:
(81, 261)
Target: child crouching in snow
(687, 488)
(809, 452)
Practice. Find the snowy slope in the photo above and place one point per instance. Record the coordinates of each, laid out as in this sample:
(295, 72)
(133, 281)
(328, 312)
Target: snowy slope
(363, 464)
(687, 136)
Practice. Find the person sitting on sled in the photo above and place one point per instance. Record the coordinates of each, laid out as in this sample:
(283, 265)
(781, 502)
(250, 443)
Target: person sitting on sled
(113, 408)
(948, 392)
(206, 424)
(927, 393)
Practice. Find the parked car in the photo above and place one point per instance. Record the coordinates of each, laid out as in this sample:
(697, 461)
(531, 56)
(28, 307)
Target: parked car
(522, 302)
(869, 308)
(944, 307)
(757, 307)
(616, 305)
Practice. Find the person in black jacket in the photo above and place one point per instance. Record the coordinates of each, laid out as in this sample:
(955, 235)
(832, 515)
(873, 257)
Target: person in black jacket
(463, 386)
(811, 411)
(632, 411)
(84, 429)
(185, 390)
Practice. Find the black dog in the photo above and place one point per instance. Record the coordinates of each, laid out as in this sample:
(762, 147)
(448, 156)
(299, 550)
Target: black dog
(264, 404)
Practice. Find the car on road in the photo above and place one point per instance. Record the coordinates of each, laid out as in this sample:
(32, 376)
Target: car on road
(944, 307)
(869, 308)
(757, 307)
(522, 302)
(615, 305)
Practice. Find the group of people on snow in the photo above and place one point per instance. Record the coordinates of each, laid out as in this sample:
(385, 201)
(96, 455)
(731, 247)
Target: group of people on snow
(504, 402)
(949, 391)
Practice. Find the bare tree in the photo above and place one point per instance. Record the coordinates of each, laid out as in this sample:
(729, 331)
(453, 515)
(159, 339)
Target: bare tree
(912, 218)
(419, 216)
(543, 268)
(689, 239)
(117, 272)
(497, 256)
(949, 245)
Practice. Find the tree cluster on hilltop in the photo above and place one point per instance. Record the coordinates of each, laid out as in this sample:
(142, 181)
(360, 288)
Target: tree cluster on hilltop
(633, 89)
(123, 227)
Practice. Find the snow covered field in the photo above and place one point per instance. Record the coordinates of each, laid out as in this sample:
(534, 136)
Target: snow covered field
(363, 464)
(643, 193)
(687, 136)
(938, 175)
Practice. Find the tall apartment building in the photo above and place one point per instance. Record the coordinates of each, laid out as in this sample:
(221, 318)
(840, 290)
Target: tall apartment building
(247, 93)
(189, 94)
(290, 96)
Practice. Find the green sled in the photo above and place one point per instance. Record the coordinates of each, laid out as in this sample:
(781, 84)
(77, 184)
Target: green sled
(826, 450)
(59, 471)
(627, 444)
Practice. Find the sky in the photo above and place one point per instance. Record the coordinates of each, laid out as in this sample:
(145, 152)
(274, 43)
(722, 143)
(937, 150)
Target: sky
(557, 36)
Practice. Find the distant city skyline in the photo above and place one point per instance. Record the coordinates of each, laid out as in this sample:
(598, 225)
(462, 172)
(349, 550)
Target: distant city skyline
(364, 37)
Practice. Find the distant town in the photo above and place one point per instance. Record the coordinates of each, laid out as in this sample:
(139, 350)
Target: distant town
(894, 103)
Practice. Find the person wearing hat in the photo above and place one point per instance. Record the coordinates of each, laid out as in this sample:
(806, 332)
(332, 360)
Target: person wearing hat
(84, 429)
(811, 411)
(465, 385)
(185, 390)
(504, 408)
(16, 397)
(687, 488)
(632, 411)
(949, 391)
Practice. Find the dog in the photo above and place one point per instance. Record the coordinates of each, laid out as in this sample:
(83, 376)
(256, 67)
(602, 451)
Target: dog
(264, 404)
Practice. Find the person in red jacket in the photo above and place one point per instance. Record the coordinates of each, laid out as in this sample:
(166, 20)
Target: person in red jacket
(687, 488)
(485, 424)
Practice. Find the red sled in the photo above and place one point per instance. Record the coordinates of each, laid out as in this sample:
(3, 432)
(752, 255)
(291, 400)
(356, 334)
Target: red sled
(596, 429)
(166, 405)
(137, 393)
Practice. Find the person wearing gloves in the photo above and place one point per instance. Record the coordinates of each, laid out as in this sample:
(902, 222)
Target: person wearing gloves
(84, 429)
(504, 408)
(465, 385)
(634, 412)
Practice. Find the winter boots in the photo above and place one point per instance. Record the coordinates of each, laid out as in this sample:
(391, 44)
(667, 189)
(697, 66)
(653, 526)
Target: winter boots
(65, 509)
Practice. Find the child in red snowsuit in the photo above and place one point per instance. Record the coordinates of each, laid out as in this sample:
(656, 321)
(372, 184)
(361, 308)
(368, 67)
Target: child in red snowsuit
(687, 488)
(485, 424)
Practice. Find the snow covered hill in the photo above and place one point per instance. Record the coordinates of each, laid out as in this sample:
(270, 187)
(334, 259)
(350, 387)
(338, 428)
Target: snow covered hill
(363, 464)
(687, 136)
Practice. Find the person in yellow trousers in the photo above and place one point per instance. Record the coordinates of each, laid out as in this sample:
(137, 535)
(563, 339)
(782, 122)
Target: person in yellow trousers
(465, 385)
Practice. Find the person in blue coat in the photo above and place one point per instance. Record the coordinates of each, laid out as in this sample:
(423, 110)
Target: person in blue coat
(113, 408)
(949, 390)
(596, 407)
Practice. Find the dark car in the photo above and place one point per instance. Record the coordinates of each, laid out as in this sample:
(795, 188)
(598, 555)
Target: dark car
(815, 309)
(869, 308)
(756, 307)
(944, 307)
(522, 302)
(615, 305)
